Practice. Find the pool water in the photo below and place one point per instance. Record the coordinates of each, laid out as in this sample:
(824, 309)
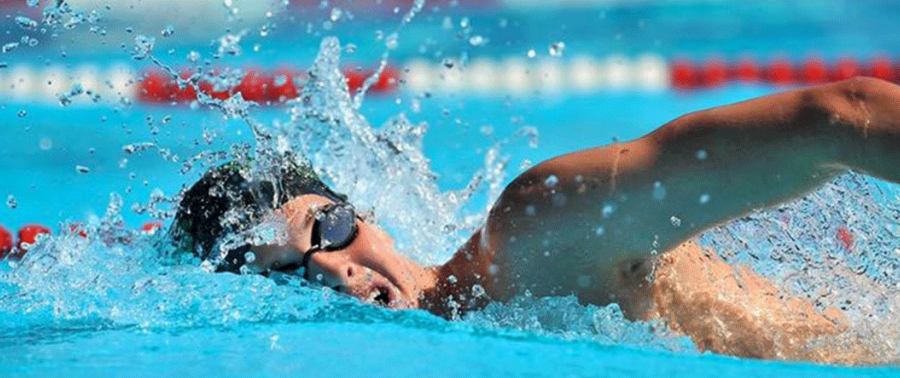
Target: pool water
(110, 305)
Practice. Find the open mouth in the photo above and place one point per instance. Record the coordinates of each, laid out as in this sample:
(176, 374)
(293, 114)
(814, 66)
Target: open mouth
(380, 295)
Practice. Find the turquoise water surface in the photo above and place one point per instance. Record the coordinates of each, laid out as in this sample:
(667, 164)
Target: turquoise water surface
(110, 305)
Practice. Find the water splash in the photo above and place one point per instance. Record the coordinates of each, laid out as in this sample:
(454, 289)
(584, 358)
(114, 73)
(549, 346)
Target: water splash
(381, 169)
(117, 278)
(837, 247)
(565, 317)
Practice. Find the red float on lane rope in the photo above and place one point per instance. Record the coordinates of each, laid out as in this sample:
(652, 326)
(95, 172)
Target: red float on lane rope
(780, 72)
(151, 227)
(845, 69)
(256, 86)
(683, 75)
(27, 236)
(883, 69)
(715, 73)
(388, 82)
(6, 242)
(814, 71)
(747, 71)
(285, 84)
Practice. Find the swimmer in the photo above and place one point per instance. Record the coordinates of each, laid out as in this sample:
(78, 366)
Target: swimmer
(542, 236)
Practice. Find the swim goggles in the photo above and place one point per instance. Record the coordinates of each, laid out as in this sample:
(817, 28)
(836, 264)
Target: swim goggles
(333, 229)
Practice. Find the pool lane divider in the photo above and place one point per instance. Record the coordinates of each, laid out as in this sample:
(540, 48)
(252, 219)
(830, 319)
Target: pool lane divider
(28, 235)
(89, 85)
(523, 76)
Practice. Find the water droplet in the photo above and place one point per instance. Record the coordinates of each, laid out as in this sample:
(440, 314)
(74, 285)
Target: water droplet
(525, 164)
(448, 63)
(701, 155)
(608, 210)
(476, 40)
(551, 181)
(9, 47)
(45, 144)
(557, 48)
(26, 23)
(33, 3)
(464, 23)
(391, 41)
(477, 290)
(336, 14)
(493, 269)
(452, 279)
(143, 45)
(82, 169)
(676, 221)
(546, 253)
(704, 198)
(599, 230)
(531, 53)
(193, 57)
(530, 210)
(659, 191)
(250, 257)
(167, 31)
(11, 202)
(22, 113)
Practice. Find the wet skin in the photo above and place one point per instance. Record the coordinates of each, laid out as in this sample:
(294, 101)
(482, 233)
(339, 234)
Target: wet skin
(542, 234)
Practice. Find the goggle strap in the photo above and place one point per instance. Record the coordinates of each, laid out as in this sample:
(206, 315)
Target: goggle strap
(305, 263)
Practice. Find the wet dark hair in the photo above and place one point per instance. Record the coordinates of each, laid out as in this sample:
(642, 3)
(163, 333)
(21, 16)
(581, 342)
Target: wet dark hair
(225, 202)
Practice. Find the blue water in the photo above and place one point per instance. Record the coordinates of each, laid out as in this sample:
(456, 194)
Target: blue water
(84, 308)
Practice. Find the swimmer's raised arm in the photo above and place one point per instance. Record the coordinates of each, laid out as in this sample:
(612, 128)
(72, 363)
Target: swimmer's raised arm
(615, 204)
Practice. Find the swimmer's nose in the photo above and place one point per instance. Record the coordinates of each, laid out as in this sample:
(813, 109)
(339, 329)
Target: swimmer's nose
(334, 270)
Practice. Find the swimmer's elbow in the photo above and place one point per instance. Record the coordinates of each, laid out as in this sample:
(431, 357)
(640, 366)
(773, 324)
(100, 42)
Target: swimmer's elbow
(851, 102)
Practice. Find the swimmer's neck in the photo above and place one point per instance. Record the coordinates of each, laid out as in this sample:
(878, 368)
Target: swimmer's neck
(460, 283)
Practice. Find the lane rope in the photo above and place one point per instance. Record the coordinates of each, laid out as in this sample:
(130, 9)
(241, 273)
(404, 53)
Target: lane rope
(88, 85)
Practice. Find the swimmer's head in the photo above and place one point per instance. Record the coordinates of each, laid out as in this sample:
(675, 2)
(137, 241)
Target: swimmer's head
(332, 245)
(225, 202)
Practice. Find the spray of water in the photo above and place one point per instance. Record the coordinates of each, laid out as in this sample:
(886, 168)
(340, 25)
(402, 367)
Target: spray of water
(119, 278)
(836, 247)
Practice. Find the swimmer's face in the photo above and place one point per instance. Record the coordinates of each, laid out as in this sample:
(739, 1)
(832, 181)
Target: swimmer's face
(367, 268)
